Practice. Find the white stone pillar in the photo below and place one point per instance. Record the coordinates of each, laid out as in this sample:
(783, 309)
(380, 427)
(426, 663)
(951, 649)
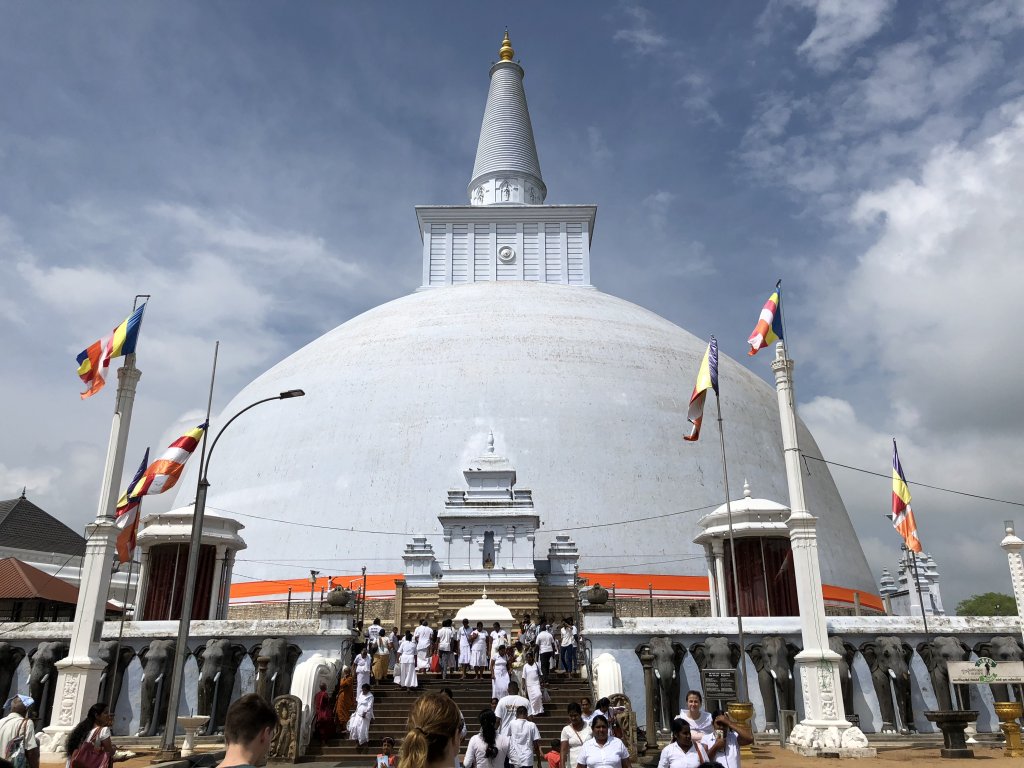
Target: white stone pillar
(1012, 545)
(718, 548)
(709, 556)
(219, 555)
(78, 675)
(819, 665)
(142, 583)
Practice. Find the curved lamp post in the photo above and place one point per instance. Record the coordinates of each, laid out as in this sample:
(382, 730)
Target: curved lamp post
(167, 744)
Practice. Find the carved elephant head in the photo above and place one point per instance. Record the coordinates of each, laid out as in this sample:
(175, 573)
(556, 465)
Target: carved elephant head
(281, 657)
(117, 658)
(157, 663)
(773, 658)
(1002, 648)
(846, 653)
(888, 658)
(668, 656)
(10, 658)
(937, 653)
(42, 682)
(218, 660)
(716, 653)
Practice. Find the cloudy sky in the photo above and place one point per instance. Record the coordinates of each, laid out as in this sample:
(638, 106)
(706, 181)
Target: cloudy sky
(254, 167)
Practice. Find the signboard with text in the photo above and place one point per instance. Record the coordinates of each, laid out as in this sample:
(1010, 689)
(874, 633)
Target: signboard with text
(719, 684)
(985, 671)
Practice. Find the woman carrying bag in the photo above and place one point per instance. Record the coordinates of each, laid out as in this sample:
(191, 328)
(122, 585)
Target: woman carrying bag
(89, 744)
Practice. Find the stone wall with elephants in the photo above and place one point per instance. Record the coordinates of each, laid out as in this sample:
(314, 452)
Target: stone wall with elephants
(225, 659)
(870, 648)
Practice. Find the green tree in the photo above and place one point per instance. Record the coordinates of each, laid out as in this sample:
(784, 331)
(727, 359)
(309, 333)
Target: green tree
(988, 604)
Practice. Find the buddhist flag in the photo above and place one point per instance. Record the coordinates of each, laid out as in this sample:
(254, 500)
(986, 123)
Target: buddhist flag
(707, 378)
(902, 515)
(128, 516)
(769, 325)
(94, 361)
(163, 473)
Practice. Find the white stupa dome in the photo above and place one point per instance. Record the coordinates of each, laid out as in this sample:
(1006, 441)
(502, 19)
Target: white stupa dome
(586, 394)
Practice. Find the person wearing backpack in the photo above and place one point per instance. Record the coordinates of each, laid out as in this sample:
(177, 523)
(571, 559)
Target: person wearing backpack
(89, 744)
(18, 743)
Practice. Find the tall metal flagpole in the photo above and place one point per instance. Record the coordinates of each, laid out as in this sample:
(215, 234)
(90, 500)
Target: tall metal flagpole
(78, 674)
(732, 553)
(917, 583)
(187, 598)
(120, 628)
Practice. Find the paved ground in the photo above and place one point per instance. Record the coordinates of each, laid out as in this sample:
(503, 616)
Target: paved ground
(773, 757)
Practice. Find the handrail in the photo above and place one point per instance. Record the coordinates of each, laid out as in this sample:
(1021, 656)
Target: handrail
(587, 653)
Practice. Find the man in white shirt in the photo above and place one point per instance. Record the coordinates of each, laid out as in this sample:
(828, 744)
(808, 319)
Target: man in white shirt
(523, 741)
(446, 647)
(545, 650)
(568, 646)
(507, 706)
(373, 633)
(17, 725)
(424, 637)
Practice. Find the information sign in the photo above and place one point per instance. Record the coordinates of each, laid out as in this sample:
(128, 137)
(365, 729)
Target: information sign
(719, 684)
(985, 671)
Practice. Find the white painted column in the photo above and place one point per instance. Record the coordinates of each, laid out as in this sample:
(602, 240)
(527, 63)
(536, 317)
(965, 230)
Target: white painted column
(1012, 545)
(141, 583)
(712, 581)
(219, 555)
(819, 665)
(78, 675)
(718, 548)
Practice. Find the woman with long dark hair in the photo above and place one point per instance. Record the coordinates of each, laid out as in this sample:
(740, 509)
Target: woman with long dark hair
(487, 749)
(96, 729)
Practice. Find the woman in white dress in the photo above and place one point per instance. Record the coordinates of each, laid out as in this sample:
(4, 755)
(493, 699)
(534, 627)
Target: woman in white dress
(487, 749)
(465, 647)
(604, 750)
(362, 665)
(478, 651)
(359, 723)
(574, 736)
(683, 751)
(531, 679)
(407, 663)
(499, 674)
(701, 723)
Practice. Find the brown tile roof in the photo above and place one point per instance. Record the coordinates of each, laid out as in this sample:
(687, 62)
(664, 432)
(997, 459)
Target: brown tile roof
(23, 525)
(20, 581)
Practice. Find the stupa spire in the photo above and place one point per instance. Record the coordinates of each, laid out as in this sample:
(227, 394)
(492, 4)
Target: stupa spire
(507, 171)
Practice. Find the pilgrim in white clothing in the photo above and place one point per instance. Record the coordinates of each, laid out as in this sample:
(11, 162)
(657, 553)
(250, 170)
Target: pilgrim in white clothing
(406, 676)
(359, 723)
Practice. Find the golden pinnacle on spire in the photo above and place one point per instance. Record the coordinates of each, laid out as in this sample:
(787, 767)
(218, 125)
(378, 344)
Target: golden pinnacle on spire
(505, 53)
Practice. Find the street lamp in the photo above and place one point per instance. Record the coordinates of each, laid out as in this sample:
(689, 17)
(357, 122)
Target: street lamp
(312, 586)
(170, 725)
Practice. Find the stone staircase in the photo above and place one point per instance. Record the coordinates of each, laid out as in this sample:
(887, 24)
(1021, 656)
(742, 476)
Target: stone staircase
(392, 705)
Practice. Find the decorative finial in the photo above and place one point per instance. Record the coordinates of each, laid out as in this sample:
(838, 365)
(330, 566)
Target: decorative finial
(746, 489)
(505, 53)
(490, 441)
(23, 489)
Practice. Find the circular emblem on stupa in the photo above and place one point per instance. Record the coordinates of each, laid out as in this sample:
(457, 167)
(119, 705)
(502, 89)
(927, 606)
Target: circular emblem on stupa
(507, 253)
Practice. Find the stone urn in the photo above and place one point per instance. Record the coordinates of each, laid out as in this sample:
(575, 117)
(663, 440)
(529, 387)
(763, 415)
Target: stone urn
(1008, 713)
(191, 725)
(339, 597)
(597, 595)
(741, 712)
(952, 724)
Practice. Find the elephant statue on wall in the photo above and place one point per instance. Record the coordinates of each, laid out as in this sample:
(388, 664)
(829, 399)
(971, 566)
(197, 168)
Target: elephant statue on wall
(281, 657)
(937, 653)
(716, 653)
(218, 660)
(888, 658)
(42, 681)
(846, 653)
(773, 658)
(113, 675)
(668, 656)
(1002, 648)
(157, 663)
(10, 658)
